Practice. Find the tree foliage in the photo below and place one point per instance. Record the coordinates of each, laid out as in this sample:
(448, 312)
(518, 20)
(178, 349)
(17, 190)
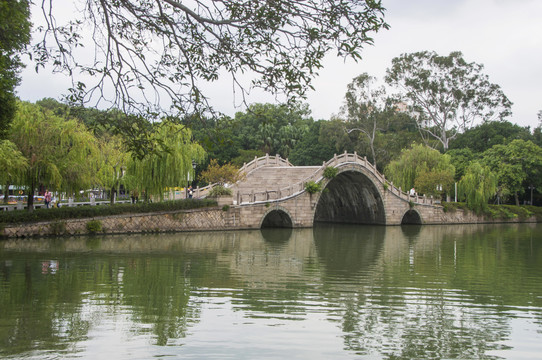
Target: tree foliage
(12, 164)
(484, 136)
(461, 159)
(113, 163)
(221, 174)
(272, 129)
(424, 167)
(310, 151)
(14, 37)
(175, 47)
(61, 153)
(477, 186)
(365, 109)
(169, 165)
(449, 93)
(517, 165)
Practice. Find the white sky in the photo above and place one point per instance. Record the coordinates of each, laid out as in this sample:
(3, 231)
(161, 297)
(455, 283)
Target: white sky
(503, 35)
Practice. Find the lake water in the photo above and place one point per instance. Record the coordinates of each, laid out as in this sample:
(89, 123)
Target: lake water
(332, 292)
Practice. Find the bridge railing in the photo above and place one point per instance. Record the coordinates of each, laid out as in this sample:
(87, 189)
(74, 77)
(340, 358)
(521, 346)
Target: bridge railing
(297, 188)
(263, 161)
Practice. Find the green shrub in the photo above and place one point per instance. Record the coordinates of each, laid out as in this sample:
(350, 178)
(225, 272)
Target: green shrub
(219, 190)
(87, 211)
(330, 172)
(225, 208)
(94, 226)
(312, 187)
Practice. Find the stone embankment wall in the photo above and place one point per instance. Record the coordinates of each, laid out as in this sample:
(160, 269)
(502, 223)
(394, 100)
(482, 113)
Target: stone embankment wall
(182, 220)
(216, 219)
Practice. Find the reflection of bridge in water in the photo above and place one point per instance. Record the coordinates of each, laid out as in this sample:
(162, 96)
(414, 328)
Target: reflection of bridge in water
(273, 194)
(263, 256)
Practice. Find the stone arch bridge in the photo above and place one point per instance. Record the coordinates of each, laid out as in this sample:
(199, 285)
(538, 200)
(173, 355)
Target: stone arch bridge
(272, 194)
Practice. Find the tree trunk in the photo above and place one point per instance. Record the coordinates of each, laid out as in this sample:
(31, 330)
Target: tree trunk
(30, 199)
(6, 193)
(516, 197)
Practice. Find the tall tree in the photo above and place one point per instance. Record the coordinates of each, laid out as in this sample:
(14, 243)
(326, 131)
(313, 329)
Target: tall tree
(424, 167)
(170, 165)
(484, 136)
(449, 93)
(61, 153)
(273, 129)
(309, 150)
(517, 165)
(477, 186)
(13, 164)
(365, 109)
(537, 133)
(14, 37)
(176, 47)
(113, 163)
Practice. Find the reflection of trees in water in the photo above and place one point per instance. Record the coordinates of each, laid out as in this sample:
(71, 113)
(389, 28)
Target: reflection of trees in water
(46, 303)
(437, 292)
(449, 297)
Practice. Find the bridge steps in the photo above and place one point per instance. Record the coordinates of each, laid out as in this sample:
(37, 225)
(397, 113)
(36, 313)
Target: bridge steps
(273, 178)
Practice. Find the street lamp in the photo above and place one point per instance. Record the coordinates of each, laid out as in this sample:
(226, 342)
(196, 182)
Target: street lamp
(531, 187)
(194, 164)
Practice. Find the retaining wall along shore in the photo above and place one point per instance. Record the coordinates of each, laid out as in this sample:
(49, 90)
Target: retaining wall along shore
(209, 219)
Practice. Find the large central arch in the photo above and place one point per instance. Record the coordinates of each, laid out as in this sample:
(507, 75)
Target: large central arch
(351, 197)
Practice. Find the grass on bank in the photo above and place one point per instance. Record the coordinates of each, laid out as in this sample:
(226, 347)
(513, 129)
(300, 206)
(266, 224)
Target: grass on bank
(502, 212)
(80, 212)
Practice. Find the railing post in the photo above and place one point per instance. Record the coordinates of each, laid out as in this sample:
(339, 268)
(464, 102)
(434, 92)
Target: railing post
(252, 199)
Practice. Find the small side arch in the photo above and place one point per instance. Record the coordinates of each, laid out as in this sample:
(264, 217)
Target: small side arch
(278, 217)
(411, 217)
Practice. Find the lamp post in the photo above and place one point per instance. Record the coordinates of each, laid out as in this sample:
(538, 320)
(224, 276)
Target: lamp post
(531, 187)
(194, 164)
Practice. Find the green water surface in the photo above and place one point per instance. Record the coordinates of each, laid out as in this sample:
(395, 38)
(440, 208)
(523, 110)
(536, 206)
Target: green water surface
(332, 292)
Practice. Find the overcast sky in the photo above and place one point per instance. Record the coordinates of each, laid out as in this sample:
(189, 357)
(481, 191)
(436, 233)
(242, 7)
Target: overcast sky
(503, 35)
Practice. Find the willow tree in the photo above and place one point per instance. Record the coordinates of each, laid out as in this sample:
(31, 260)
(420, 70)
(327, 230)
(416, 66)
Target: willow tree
(113, 163)
(12, 165)
(477, 186)
(421, 166)
(170, 164)
(61, 153)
